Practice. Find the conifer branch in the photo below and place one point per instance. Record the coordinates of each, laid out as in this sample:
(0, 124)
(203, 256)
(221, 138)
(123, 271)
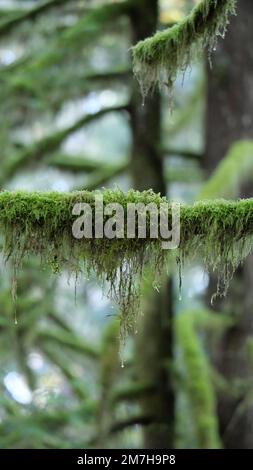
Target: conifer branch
(66, 369)
(104, 175)
(83, 31)
(69, 340)
(75, 164)
(8, 25)
(42, 148)
(181, 152)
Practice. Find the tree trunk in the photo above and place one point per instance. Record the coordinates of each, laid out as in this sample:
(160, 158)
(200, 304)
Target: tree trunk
(230, 118)
(229, 90)
(154, 341)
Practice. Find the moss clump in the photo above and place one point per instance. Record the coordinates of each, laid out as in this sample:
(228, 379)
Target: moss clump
(220, 232)
(158, 59)
(41, 224)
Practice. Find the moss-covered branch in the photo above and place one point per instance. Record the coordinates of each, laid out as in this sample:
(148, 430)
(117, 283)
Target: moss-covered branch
(104, 175)
(132, 392)
(174, 175)
(158, 59)
(31, 14)
(74, 163)
(220, 232)
(88, 27)
(32, 83)
(41, 149)
(181, 152)
(83, 164)
(69, 340)
(75, 382)
(234, 169)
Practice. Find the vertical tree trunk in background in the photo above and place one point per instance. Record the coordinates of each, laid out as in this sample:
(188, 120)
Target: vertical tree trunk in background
(230, 90)
(229, 118)
(154, 341)
(146, 163)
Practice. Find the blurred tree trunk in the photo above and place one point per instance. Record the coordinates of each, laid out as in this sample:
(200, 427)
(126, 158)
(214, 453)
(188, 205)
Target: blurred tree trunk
(230, 118)
(154, 341)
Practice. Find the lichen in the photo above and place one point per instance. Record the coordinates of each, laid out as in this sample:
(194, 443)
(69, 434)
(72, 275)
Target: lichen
(219, 232)
(157, 59)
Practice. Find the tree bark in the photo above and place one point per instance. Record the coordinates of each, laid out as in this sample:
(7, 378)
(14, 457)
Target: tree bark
(230, 118)
(229, 90)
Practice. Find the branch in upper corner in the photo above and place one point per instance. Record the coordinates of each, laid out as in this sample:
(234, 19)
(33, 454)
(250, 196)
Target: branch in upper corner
(31, 14)
(85, 29)
(157, 60)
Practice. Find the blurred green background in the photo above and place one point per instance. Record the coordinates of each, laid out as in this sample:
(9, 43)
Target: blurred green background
(72, 117)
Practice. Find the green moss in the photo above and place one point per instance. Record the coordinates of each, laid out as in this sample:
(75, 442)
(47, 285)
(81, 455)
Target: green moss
(198, 380)
(220, 232)
(41, 224)
(233, 170)
(158, 59)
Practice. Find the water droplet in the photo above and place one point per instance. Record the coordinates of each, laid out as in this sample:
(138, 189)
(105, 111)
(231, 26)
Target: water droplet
(179, 264)
(213, 299)
(122, 365)
(15, 315)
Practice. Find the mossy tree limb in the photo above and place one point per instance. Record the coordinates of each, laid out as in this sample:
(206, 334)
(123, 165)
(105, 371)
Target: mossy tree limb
(85, 30)
(234, 170)
(30, 83)
(157, 59)
(104, 175)
(220, 232)
(181, 152)
(98, 169)
(69, 340)
(7, 26)
(73, 163)
(36, 152)
(55, 358)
